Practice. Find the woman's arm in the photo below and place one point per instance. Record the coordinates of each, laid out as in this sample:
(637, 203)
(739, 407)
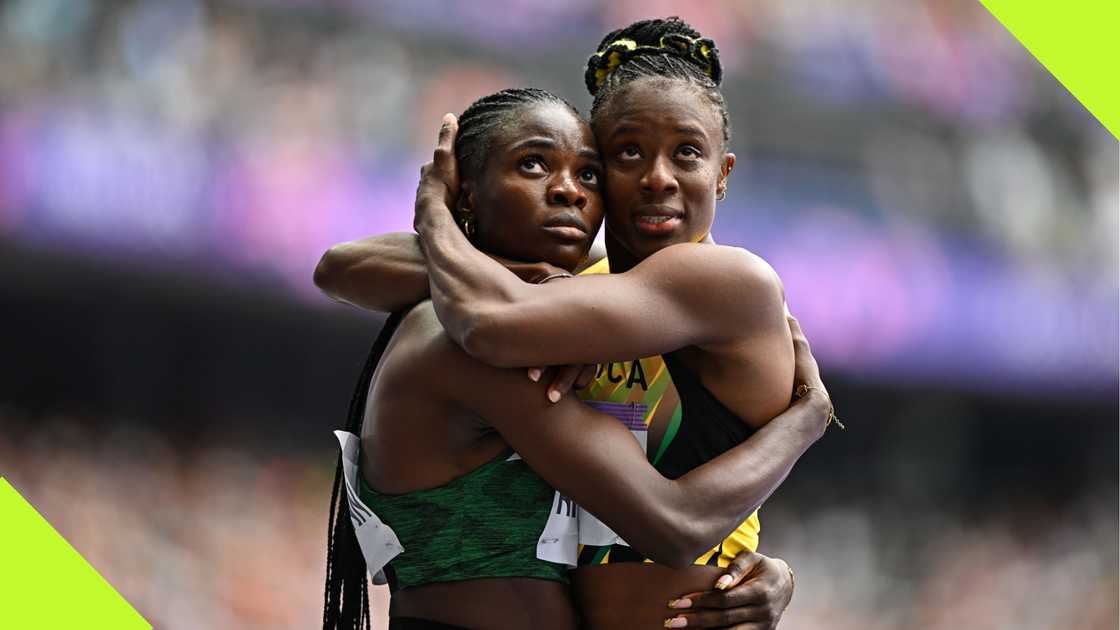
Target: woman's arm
(379, 273)
(388, 272)
(594, 459)
(687, 294)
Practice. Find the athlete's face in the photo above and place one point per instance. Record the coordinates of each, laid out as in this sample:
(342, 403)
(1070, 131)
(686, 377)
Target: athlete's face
(538, 194)
(662, 144)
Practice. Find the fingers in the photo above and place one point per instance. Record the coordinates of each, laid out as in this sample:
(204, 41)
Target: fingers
(800, 342)
(752, 593)
(721, 618)
(757, 602)
(740, 567)
(448, 128)
(563, 381)
(443, 158)
(586, 376)
(440, 177)
(795, 328)
(805, 367)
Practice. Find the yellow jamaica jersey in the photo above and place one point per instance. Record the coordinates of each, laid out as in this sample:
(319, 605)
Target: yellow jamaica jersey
(641, 394)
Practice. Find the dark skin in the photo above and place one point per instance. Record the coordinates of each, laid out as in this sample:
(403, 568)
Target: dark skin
(422, 431)
(567, 234)
(666, 166)
(721, 309)
(367, 273)
(756, 589)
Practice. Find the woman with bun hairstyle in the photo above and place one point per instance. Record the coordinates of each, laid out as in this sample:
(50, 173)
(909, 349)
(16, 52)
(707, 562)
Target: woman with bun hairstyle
(437, 428)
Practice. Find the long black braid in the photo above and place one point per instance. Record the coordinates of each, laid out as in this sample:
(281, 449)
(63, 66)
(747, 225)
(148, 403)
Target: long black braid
(664, 48)
(346, 594)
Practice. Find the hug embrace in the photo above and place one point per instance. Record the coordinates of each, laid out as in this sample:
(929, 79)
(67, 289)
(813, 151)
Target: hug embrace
(621, 490)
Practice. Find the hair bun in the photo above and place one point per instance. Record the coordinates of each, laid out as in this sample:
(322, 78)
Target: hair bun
(670, 36)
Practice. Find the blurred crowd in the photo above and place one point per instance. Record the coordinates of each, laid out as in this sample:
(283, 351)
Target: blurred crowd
(233, 536)
(290, 123)
(912, 173)
(221, 536)
(943, 214)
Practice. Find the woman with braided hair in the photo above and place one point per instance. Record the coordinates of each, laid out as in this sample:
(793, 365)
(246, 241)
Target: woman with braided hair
(437, 428)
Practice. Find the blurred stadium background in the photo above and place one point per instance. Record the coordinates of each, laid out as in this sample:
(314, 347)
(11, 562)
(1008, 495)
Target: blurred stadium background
(943, 213)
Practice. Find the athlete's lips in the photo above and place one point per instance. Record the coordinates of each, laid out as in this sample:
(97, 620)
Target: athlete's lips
(656, 220)
(568, 226)
(656, 210)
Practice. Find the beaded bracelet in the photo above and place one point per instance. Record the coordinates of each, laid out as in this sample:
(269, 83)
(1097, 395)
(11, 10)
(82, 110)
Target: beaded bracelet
(803, 389)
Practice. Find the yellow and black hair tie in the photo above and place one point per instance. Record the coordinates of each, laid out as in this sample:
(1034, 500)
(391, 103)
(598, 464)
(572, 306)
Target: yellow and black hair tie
(607, 60)
(701, 51)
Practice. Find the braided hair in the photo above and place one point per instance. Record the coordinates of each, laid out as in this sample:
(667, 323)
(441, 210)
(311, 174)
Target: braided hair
(346, 593)
(488, 115)
(664, 48)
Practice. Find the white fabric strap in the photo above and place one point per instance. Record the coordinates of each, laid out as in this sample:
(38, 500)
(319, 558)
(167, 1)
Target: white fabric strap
(378, 541)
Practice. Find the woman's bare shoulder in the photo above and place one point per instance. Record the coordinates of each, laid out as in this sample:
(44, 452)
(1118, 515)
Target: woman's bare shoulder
(422, 351)
(733, 272)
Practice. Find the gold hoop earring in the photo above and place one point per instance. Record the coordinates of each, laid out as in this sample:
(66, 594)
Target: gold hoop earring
(467, 224)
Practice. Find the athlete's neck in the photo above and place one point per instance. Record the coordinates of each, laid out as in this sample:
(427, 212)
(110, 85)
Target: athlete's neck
(618, 256)
(622, 260)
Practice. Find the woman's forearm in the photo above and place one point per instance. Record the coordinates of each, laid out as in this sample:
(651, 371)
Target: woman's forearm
(719, 495)
(465, 284)
(594, 459)
(379, 273)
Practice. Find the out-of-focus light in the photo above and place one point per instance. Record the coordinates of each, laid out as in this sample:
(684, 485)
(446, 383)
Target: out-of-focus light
(118, 182)
(45, 21)
(150, 31)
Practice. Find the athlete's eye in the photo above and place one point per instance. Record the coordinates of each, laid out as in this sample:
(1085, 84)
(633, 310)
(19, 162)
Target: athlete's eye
(532, 164)
(689, 152)
(589, 176)
(630, 152)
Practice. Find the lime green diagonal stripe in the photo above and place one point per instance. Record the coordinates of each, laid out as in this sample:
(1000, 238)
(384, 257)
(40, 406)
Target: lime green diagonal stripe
(44, 583)
(1077, 41)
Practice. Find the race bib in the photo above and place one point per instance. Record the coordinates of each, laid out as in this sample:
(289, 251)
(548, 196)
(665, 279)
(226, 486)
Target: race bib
(378, 541)
(568, 525)
(559, 542)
